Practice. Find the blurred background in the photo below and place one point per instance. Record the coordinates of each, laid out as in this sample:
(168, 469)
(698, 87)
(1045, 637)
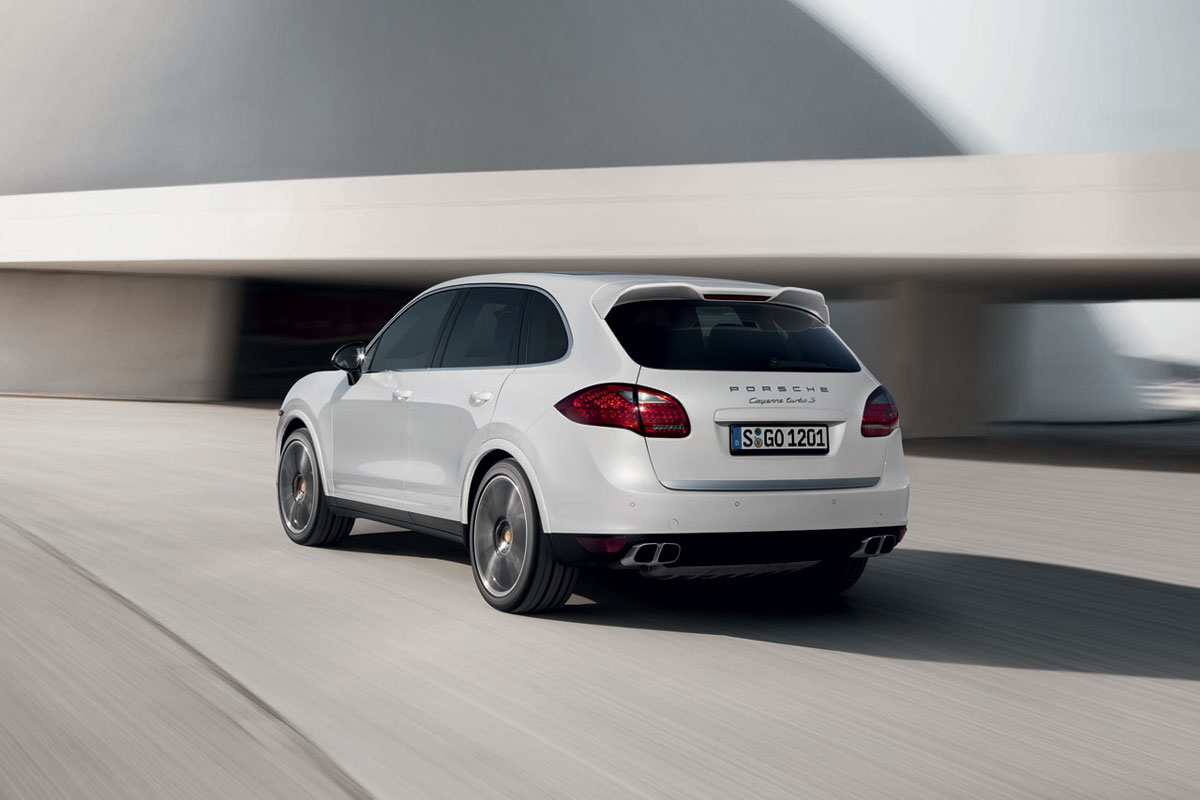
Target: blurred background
(203, 199)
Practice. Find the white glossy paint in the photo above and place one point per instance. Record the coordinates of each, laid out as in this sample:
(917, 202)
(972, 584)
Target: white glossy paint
(419, 455)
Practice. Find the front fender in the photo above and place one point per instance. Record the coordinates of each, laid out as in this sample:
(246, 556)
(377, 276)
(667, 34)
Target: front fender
(308, 401)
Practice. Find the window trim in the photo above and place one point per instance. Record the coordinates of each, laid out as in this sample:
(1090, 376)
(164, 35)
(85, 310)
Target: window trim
(452, 316)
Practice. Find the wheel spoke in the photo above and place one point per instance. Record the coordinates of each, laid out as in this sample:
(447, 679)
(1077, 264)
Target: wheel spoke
(490, 570)
(506, 574)
(291, 459)
(491, 506)
(517, 554)
(504, 495)
(513, 508)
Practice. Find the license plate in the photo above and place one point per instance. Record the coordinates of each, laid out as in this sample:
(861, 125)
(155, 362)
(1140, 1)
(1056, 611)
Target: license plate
(761, 440)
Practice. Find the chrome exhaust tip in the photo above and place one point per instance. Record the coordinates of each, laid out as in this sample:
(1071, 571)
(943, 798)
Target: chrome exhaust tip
(643, 554)
(875, 546)
(652, 554)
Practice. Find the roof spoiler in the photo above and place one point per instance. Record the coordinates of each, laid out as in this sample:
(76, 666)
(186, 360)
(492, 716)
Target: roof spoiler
(612, 295)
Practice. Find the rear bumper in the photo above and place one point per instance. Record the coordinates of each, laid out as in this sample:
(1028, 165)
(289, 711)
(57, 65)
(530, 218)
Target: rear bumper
(609, 487)
(724, 549)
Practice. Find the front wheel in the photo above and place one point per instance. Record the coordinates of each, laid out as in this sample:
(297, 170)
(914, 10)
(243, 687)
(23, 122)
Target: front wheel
(306, 517)
(512, 563)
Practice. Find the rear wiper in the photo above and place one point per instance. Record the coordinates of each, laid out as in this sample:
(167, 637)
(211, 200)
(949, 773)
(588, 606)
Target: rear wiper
(806, 366)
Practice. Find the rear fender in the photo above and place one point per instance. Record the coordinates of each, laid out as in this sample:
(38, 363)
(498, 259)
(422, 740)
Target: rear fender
(519, 455)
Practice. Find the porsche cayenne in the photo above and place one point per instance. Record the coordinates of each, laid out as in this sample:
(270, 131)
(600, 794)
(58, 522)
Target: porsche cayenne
(680, 427)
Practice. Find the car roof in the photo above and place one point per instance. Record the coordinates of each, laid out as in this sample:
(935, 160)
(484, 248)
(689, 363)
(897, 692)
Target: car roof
(588, 282)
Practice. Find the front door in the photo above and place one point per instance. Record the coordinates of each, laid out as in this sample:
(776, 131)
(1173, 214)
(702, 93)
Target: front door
(371, 420)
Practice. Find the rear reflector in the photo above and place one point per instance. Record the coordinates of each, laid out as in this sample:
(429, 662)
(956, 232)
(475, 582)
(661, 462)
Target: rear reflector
(601, 544)
(753, 297)
(880, 416)
(618, 405)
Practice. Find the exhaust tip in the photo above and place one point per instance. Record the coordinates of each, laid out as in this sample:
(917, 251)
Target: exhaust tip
(872, 545)
(644, 553)
(669, 552)
(889, 544)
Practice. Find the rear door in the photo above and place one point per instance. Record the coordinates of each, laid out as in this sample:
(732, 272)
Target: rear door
(774, 397)
(452, 404)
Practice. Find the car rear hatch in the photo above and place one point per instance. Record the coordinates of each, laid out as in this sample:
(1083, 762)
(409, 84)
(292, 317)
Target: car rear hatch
(773, 397)
(821, 412)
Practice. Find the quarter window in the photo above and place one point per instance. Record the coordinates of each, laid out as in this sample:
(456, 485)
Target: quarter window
(409, 341)
(547, 335)
(486, 329)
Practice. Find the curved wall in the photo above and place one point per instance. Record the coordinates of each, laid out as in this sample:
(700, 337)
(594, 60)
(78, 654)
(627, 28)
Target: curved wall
(131, 93)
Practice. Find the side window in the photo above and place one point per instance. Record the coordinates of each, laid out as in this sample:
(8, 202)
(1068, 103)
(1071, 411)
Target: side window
(486, 329)
(547, 335)
(408, 343)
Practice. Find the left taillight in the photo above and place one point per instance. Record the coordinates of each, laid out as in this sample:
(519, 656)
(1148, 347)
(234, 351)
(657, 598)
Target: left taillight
(644, 411)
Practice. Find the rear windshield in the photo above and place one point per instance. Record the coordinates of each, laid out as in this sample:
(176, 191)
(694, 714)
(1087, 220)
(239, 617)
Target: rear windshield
(728, 336)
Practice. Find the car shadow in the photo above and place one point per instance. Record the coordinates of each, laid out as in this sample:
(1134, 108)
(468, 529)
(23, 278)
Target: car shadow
(392, 542)
(913, 604)
(933, 606)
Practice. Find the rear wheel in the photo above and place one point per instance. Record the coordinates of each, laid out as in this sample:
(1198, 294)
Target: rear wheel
(510, 558)
(306, 517)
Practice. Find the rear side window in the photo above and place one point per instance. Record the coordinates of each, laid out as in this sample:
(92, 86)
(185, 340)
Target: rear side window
(547, 334)
(408, 342)
(485, 331)
(728, 336)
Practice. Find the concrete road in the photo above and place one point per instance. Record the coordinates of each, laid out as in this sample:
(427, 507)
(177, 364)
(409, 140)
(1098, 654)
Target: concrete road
(1038, 635)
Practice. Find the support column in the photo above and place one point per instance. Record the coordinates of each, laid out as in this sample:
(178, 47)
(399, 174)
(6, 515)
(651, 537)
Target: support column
(119, 336)
(936, 343)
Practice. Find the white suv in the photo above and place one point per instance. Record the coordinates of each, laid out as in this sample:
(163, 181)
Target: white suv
(682, 427)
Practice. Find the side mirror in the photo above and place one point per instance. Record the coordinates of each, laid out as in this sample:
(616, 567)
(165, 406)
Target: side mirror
(349, 359)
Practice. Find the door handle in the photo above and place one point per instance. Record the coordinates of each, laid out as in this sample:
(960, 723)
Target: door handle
(480, 398)
(402, 394)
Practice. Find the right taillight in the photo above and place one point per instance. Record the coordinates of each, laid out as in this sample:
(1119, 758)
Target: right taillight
(880, 416)
(618, 405)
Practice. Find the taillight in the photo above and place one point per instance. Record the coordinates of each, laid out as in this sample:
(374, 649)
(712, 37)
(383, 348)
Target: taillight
(880, 416)
(635, 408)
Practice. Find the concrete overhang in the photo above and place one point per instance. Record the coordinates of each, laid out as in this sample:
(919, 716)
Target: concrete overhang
(1073, 224)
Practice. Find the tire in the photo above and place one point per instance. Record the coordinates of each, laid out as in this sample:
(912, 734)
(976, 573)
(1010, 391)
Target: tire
(830, 578)
(306, 516)
(511, 560)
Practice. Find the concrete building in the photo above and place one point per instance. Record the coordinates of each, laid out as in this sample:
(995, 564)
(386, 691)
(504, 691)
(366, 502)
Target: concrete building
(201, 198)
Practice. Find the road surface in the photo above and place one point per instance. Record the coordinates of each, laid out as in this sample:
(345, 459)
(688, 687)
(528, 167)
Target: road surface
(1037, 635)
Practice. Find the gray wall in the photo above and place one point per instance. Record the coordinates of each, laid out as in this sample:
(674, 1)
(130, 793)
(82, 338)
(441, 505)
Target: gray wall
(126, 93)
